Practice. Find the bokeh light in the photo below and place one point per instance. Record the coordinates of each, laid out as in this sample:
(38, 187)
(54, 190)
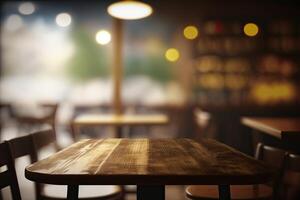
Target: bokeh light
(63, 19)
(190, 32)
(103, 37)
(275, 92)
(172, 55)
(251, 29)
(13, 22)
(26, 8)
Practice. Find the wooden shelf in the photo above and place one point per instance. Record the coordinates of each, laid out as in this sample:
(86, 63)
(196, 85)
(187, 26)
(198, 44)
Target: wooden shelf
(254, 55)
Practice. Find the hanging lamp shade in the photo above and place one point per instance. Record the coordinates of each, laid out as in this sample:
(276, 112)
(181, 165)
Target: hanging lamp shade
(129, 10)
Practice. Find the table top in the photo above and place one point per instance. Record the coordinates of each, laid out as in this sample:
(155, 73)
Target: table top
(283, 128)
(123, 119)
(148, 161)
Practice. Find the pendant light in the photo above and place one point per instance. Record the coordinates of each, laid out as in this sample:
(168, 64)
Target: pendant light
(129, 10)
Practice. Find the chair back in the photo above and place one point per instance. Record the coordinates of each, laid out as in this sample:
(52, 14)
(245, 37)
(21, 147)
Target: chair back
(30, 145)
(272, 156)
(24, 146)
(276, 159)
(8, 177)
(44, 138)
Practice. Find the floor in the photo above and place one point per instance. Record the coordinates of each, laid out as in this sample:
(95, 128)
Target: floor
(26, 186)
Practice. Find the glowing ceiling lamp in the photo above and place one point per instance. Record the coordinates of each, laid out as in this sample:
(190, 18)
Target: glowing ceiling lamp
(129, 10)
(26, 8)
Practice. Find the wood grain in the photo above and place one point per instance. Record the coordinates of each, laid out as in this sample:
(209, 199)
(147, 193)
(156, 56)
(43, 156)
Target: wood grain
(282, 128)
(122, 119)
(146, 161)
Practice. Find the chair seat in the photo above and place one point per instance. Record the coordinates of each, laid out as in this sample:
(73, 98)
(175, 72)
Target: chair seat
(237, 192)
(85, 191)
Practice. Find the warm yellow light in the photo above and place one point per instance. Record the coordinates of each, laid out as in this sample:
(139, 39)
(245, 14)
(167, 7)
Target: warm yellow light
(172, 55)
(26, 8)
(103, 37)
(190, 32)
(251, 29)
(129, 10)
(63, 19)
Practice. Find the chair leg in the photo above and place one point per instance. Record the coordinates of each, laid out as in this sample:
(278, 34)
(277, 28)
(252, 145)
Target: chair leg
(224, 192)
(73, 192)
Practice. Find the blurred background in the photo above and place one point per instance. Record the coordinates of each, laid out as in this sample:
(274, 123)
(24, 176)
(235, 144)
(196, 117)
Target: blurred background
(237, 56)
(203, 63)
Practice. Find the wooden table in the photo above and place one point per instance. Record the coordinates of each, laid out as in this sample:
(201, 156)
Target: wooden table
(150, 164)
(119, 120)
(287, 129)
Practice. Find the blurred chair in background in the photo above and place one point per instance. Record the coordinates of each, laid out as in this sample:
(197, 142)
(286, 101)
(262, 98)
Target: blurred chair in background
(31, 117)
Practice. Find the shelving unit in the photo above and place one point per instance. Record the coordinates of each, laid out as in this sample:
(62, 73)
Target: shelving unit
(234, 69)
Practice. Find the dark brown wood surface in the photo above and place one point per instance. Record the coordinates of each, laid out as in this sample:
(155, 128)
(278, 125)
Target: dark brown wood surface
(282, 128)
(146, 161)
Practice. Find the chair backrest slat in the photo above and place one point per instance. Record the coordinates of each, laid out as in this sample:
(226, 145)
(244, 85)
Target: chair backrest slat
(5, 179)
(8, 177)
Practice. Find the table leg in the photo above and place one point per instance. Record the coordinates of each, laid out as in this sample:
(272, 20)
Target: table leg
(150, 192)
(72, 192)
(119, 132)
(224, 192)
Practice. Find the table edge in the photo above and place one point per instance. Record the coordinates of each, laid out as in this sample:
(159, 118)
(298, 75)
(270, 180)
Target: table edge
(251, 123)
(115, 179)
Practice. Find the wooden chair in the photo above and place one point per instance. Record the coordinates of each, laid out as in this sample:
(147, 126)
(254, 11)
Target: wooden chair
(33, 123)
(28, 122)
(8, 177)
(271, 156)
(31, 145)
(291, 183)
